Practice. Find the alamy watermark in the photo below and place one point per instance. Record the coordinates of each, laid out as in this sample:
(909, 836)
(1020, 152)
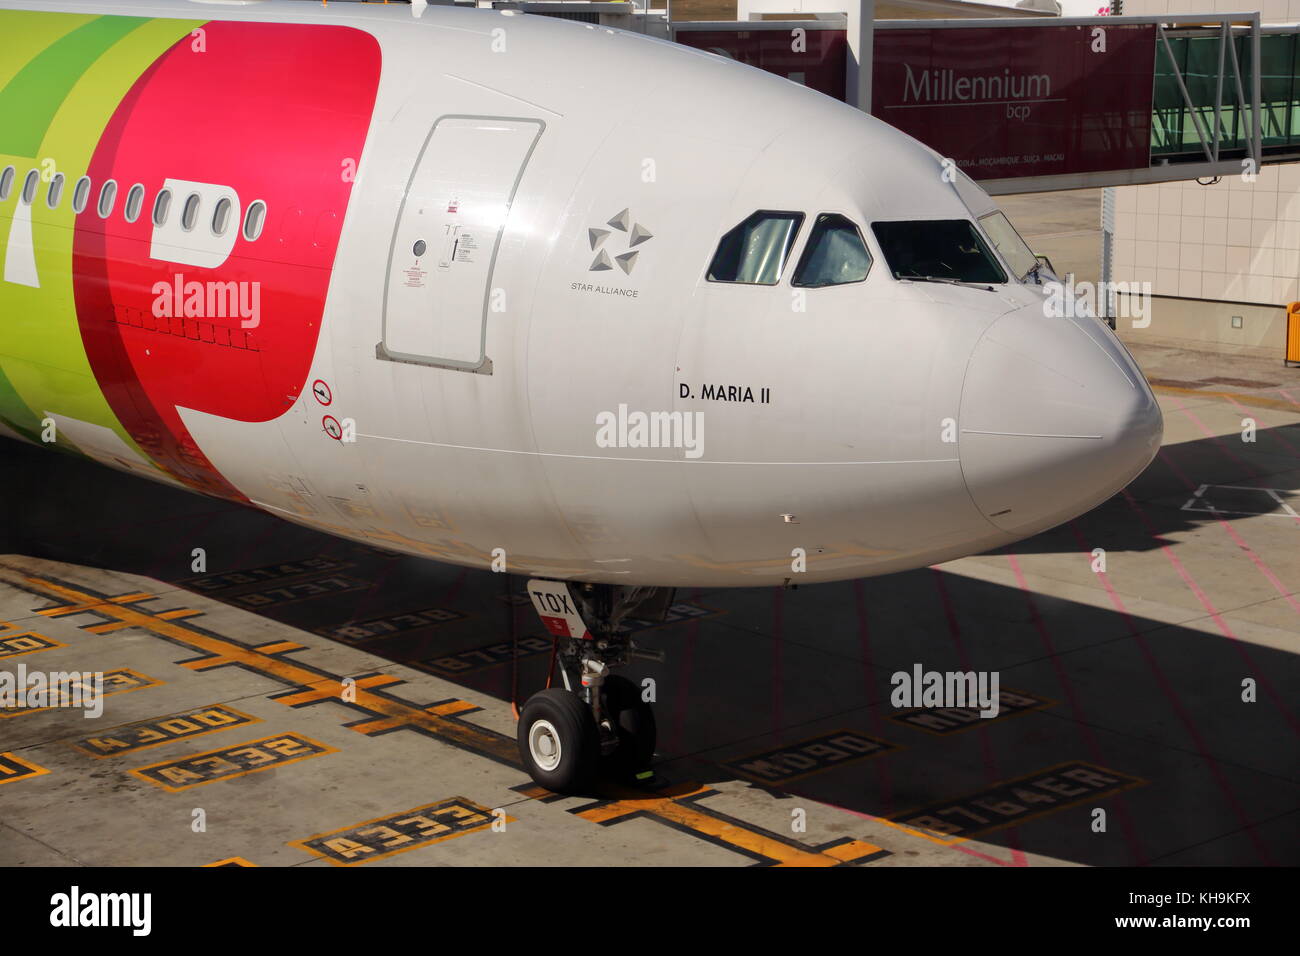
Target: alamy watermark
(180, 299)
(922, 688)
(625, 429)
(39, 690)
(76, 909)
(1070, 299)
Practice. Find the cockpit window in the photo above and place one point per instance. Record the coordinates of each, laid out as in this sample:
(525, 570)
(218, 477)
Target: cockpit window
(755, 251)
(835, 254)
(943, 250)
(1007, 241)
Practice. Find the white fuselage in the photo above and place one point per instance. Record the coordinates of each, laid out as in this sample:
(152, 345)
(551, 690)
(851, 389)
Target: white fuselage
(893, 424)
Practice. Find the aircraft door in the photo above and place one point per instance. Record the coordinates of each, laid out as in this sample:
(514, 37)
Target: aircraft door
(444, 246)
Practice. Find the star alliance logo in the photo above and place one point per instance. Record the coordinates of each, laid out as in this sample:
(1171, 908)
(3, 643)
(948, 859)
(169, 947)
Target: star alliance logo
(633, 231)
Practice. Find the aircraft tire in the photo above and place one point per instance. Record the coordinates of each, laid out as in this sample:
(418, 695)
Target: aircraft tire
(558, 741)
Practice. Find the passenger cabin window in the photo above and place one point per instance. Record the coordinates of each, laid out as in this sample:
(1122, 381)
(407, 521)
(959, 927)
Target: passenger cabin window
(756, 250)
(254, 220)
(835, 254)
(54, 195)
(81, 195)
(107, 198)
(221, 216)
(29, 187)
(190, 212)
(937, 250)
(1007, 241)
(162, 206)
(7, 182)
(134, 203)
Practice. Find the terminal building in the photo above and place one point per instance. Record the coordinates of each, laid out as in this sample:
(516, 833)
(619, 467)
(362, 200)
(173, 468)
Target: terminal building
(1222, 255)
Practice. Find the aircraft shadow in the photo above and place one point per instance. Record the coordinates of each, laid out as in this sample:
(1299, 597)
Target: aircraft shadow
(789, 691)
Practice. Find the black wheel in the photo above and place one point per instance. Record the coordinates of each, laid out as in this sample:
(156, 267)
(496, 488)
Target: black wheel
(633, 720)
(558, 741)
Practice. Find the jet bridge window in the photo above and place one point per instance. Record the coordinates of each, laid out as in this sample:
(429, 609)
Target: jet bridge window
(835, 254)
(943, 250)
(755, 251)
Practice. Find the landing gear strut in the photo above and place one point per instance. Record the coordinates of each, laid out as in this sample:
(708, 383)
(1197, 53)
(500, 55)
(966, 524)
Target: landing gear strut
(598, 724)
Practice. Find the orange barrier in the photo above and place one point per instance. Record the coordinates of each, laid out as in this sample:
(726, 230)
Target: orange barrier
(1292, 334)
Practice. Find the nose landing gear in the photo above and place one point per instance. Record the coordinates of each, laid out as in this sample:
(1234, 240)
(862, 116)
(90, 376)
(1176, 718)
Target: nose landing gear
(598, 725)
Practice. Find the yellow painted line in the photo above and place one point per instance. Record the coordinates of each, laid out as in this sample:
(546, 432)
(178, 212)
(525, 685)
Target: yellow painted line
(666, 808)
(106, 628)
(230, 652)
(853, 850)
(142, 681)
(1026, 780)
(320, 751)
(410, 815)
(283, 647)
(49, 644)
(7, 775)
(176, 615)
(448, 709)
(326, 689)
(231, 861)
(376, 726)
(132, 598)
(207, 663)
(243, 720)
(67, 609)
(475, 739)
(451, 708)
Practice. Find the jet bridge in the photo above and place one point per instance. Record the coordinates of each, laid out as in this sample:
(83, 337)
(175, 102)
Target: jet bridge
(1030, 105)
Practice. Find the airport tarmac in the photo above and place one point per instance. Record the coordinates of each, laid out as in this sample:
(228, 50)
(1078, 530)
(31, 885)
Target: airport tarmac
(1122, 687)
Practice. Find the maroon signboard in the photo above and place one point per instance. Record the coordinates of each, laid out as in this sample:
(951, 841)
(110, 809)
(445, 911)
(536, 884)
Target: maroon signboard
(815, 58)
(1021, 101)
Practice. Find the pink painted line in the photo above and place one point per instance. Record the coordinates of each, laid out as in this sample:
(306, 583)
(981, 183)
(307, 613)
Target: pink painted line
(954, 629)
(1176, 703)
(884, 780)
(682, 696)
(986, 743)
(778, 664)
(1288, 396)
(1272, 432)
(1234, 641)
(1254, 472)
(1237, 539)
(1076, 708)
(1018, 857)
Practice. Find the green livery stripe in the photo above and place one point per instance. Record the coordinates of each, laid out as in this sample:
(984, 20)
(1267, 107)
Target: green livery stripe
(27, 33)
(81, 79)
(15, 414)
(28, 102)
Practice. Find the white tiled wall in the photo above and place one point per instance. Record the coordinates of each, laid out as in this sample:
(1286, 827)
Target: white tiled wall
(1274, 11)
(1234, 240)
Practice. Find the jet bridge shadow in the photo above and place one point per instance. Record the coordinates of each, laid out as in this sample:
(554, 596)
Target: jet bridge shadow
(1188, 485)
(1115, 702)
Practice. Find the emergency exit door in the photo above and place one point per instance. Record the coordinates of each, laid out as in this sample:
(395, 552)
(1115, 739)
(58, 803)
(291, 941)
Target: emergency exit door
(445, 242)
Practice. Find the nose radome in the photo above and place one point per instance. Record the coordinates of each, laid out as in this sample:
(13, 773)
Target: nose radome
(1055, 418)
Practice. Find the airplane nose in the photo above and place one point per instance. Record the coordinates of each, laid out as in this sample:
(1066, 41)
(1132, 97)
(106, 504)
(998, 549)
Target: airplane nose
(1055, 418)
